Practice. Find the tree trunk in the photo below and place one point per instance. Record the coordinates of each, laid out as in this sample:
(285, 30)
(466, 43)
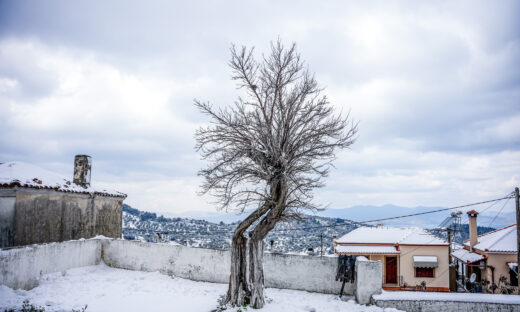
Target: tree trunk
(256, 244)
(238, 286)
(256, 272)
(237, 280)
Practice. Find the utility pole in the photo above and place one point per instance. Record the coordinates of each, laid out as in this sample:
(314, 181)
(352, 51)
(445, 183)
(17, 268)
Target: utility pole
(321, 238)
(517, 232)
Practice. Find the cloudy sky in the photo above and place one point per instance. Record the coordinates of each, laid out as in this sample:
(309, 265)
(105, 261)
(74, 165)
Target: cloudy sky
(435, 87)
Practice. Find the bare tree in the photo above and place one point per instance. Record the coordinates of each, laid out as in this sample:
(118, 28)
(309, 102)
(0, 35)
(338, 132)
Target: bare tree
(268, 152)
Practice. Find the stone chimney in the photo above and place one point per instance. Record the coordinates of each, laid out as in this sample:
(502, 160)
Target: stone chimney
(82, 168)
(472, 216)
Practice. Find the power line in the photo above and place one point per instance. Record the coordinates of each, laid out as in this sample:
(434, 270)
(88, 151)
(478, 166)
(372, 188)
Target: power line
(403, 216)
(490, 223)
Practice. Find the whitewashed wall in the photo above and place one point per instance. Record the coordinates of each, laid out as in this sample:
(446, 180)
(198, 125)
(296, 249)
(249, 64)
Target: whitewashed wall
(281, 271)
(311, 273)
(198, 264)
(22, 267)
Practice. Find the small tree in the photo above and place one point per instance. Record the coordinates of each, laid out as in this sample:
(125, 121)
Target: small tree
(268, 152)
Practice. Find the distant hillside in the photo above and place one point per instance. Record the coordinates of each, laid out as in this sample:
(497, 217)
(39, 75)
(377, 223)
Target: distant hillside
(287, 237)
(140, 225)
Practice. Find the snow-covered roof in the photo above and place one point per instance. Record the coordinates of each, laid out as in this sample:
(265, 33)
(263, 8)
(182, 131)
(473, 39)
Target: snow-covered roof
(391, 235)
(26, 175)
(499, 241)
(466, 255)
(366, 249)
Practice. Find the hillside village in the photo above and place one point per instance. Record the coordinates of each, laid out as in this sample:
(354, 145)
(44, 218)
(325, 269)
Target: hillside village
(292, 237)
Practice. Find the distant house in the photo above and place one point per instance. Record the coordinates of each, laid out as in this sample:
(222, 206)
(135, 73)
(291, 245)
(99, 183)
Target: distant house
(490, 255)
(39, 206)
(411, 257)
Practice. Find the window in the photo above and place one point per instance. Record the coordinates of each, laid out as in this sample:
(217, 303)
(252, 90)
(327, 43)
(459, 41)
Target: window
(424, 272)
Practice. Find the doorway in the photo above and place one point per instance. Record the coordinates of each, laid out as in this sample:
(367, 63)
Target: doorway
(391, 270)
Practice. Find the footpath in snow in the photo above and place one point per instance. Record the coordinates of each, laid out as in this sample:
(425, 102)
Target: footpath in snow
(438, 296)
(107, 289)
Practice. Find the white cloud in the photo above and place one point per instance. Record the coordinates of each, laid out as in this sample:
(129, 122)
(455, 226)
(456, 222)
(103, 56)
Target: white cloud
(381, 176)
(434, 86)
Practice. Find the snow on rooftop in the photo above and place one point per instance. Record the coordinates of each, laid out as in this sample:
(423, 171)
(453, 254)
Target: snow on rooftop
(391, 235)
(442, 296)
(365, 249)
(502, 240)
(107, 289)
(466, 256)
(27, 175)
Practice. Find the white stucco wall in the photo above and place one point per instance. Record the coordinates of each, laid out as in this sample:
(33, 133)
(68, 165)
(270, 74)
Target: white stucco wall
(198, 264)
(280, 270)
(368, 279)
(22, 267)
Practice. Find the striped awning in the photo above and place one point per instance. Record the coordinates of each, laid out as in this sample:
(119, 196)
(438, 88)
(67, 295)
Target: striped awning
(425, 262)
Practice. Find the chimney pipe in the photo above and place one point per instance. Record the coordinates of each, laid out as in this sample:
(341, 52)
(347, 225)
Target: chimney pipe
(472, 216)
(82, 168)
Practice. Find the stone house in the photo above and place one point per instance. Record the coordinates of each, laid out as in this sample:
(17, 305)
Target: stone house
(490, 255)
(412, 258)
(39, 206)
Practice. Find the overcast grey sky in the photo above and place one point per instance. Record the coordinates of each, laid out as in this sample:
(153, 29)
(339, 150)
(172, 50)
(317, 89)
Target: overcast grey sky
(435, 86)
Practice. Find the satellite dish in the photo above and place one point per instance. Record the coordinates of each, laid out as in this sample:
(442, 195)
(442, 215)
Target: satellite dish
(473, 277)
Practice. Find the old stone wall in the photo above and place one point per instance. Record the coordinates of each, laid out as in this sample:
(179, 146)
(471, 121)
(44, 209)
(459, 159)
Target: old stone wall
(108, 217)
(42, 216)
(7, 210)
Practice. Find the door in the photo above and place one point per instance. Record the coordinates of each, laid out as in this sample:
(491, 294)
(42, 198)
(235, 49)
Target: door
(391, 270)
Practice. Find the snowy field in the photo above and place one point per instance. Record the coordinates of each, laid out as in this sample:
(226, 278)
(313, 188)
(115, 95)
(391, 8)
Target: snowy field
(106, 289)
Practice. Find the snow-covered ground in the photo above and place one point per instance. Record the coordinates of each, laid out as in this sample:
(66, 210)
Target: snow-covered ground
(106, 289)
(438, 296)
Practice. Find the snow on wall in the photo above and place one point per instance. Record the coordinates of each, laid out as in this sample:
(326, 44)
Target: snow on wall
(280, 270)
(198, 264)
(22, 267)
